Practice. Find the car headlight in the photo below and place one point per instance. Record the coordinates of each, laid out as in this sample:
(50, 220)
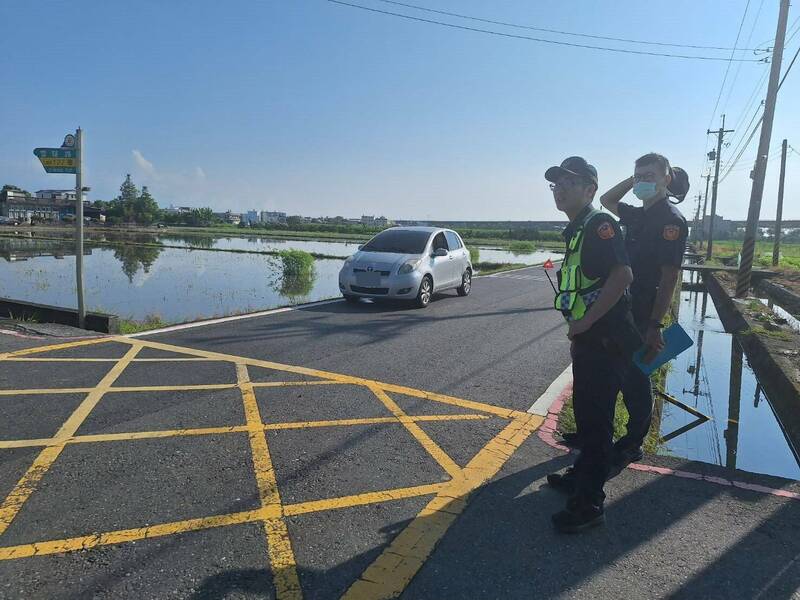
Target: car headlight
(408, 266)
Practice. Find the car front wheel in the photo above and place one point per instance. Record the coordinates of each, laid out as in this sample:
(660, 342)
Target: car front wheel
(466, 284)
(425, 292)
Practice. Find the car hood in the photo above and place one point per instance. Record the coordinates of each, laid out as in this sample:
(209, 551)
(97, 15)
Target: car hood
(381, 261)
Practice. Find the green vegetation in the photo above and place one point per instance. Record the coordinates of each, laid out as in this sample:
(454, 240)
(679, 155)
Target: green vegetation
(127, 326)
(778, 334)
(518, 247)
(487, 268)
(474, 255)
(789, 258)
(297, 263)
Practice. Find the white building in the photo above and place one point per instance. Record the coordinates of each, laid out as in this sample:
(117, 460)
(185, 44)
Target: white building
(268, 216)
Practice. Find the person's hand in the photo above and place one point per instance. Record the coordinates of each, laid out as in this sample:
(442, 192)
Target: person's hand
(654, 342)
(578, 327)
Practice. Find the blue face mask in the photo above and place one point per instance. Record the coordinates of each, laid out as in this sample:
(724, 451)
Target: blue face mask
(644, 190)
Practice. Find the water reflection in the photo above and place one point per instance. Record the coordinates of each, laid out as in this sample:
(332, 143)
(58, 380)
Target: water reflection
(134, 258)
(710, 380)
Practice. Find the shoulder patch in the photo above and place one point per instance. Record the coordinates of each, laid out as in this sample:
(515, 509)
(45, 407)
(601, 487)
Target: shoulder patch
(671, 232)
(605, 231)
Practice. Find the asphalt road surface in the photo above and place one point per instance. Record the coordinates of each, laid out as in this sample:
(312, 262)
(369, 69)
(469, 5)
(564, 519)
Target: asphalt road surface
(360, 451)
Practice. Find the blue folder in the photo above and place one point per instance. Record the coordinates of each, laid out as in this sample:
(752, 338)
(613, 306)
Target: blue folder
(676, 340)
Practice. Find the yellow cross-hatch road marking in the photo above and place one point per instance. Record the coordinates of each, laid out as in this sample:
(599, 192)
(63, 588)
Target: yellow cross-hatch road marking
(386, 577)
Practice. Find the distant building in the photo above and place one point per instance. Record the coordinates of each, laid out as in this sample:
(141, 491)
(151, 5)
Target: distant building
(46, 205)
(229, 217)
(368, 220)
(274, 217)
(722, 227)
(251, 217)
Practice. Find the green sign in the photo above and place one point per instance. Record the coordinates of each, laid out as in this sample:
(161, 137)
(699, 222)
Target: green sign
(58, 160)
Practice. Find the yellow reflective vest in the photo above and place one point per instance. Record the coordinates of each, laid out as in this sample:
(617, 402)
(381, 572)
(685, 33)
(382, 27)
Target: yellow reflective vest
(576, 291)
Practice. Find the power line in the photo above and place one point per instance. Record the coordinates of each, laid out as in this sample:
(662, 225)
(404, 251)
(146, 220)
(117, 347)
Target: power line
(739, 66)
(561, 32)
(728, 67)
(544, 41)
(753, 132)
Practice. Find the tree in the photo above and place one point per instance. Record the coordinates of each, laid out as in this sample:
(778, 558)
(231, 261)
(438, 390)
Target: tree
(145, 208)
(202, 217)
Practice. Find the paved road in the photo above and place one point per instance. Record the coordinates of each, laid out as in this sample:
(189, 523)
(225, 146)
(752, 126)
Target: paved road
(365, 451)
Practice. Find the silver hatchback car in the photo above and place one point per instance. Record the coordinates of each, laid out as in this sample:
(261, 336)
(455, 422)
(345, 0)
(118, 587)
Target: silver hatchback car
(409, 263)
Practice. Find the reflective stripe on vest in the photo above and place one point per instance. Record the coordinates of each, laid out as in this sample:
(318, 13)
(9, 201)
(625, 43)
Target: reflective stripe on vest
(576, 291)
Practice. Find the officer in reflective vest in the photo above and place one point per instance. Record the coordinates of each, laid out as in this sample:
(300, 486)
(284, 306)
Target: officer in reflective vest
(655, 239)
(592, 297)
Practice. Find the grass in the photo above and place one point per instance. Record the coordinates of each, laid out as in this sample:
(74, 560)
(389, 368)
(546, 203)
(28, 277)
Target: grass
(279, 234)
(783, 336)
(127, 326)
(474, 254)
(297, 263)
(488, 268)
(520, 247)
(789, 253)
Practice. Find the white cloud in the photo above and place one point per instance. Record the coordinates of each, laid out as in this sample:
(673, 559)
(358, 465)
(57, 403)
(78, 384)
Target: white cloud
(199, 173)
(144, 164)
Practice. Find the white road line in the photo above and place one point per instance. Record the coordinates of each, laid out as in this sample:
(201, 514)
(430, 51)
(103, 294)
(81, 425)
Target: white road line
(262, 313)
(542, 405)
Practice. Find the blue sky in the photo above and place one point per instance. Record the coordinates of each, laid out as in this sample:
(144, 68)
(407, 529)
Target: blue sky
(313, 108)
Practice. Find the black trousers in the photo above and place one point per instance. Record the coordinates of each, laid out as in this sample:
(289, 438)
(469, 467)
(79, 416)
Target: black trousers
(637, 393)
(598, 370)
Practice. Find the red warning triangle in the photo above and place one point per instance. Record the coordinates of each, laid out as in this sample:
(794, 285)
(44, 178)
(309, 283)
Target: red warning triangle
(548, 264)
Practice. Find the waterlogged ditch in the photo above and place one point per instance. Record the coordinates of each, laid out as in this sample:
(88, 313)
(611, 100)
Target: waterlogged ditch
(714, 378)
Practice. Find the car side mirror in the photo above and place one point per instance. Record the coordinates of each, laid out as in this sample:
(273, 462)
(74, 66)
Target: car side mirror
(440, 252)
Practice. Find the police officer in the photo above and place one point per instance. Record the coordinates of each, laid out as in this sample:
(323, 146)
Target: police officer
(655, 239)
(592, 281)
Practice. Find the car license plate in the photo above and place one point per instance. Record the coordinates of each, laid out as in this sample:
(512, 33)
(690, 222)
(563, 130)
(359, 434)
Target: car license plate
(369, 279)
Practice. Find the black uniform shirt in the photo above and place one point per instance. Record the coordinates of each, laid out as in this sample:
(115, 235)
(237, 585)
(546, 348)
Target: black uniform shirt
(654, 238)
(603, 248)
(603, 244)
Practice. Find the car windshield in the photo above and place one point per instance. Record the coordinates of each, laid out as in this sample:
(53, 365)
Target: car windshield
(400, 241)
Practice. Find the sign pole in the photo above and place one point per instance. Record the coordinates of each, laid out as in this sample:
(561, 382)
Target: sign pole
(79, 227)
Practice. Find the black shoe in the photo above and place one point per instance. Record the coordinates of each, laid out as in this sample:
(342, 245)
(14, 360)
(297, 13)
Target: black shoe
(572, 440)
(563, 482)
(578, 517)
(630, 455)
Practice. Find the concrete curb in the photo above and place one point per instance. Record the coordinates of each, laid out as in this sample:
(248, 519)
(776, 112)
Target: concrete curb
(550, 426)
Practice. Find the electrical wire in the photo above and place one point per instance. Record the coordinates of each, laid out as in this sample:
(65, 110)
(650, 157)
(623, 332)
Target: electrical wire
(545, 41)
(757, 125)
(561, 32)
(728, 66)
(739, 65)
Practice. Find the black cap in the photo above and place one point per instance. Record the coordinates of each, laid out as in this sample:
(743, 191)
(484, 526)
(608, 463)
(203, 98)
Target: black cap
(574, 165)
(679, 184)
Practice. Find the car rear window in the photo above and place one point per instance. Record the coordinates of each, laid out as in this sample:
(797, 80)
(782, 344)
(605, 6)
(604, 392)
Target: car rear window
(398, 241)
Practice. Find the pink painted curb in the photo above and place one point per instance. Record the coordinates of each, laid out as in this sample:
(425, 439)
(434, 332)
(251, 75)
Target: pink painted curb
(547, 434)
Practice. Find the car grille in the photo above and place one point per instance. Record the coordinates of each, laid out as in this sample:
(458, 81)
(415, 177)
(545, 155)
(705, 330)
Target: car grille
(383, 273)
(369, 290)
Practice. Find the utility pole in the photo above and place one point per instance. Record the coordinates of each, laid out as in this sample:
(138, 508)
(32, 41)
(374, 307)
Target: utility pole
(79, 228)
(776, 250)
(757, 192)
(705, 205)
(695, 234)
(720, 134)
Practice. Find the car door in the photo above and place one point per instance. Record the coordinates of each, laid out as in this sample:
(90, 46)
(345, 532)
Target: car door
(442, 267)
(458, 256)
